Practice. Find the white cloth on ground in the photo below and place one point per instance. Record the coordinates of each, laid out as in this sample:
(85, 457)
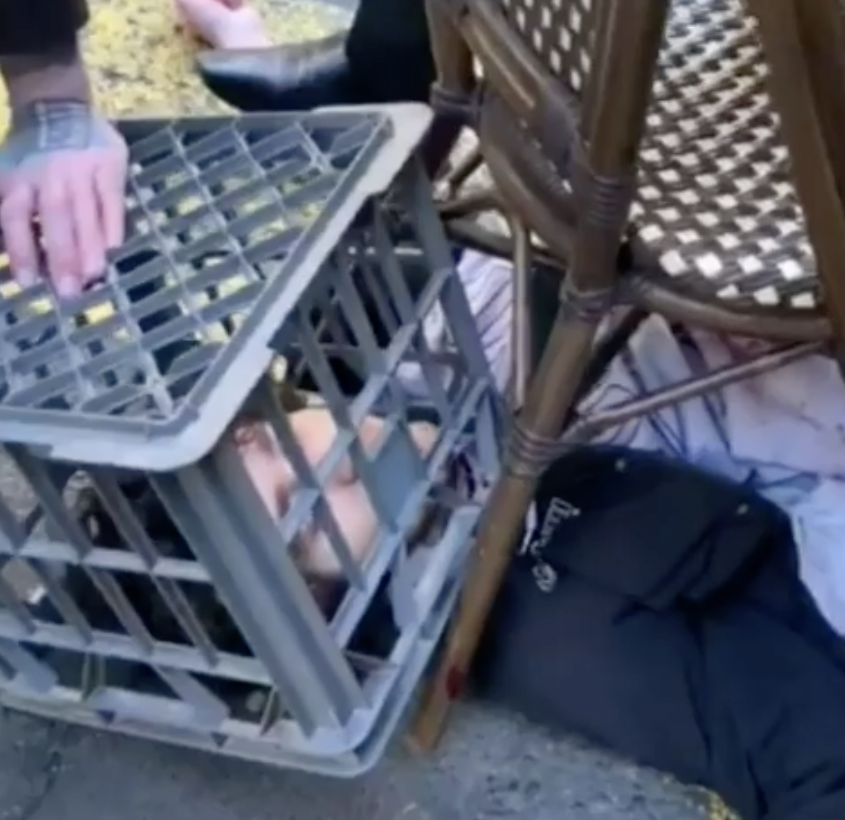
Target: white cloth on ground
(488, 284)
(784, 431)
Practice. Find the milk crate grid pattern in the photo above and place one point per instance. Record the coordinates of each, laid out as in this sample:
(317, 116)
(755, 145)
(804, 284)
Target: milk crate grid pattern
(277, 279)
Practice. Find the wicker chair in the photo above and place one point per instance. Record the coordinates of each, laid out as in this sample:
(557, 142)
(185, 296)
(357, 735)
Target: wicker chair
(680, 157)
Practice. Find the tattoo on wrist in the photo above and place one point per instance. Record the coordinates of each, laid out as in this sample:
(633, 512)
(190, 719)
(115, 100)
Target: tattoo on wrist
(55, 125)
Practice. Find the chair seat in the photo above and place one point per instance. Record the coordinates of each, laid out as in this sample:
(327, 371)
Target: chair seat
(715, 204)
(715, 201)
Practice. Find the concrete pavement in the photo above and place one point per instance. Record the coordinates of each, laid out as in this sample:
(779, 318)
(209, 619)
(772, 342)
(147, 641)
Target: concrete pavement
(492, 767)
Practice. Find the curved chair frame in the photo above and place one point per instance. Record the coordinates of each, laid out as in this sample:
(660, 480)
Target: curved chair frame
(564, 167)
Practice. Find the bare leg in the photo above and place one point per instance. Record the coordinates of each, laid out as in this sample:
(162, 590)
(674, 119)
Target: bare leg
(223, 24)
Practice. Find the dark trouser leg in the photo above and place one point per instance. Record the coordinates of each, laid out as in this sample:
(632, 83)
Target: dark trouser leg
(390, 60)
(389, 52)
(385, 59)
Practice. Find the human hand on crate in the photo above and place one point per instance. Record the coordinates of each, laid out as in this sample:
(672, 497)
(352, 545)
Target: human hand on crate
(223, 23)
(62, 176)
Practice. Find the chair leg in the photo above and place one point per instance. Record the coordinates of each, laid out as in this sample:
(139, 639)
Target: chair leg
(622, 82)
(800, 43)
(521, 346)
(462, 170)
(471, 203)
(563, 365)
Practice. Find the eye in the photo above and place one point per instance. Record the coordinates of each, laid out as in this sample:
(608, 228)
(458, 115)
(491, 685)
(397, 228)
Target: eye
(245, 434)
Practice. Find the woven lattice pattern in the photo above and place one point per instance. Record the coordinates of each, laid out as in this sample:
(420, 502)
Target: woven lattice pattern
(559, 32)
(715, 200)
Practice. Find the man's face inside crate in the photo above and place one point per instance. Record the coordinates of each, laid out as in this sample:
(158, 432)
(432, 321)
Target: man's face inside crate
(487, 284)
(275, 481)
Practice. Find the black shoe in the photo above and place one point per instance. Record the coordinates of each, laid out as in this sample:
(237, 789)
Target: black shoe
(293, 77)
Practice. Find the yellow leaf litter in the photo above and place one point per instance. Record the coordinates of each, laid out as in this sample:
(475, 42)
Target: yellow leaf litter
(141, 62)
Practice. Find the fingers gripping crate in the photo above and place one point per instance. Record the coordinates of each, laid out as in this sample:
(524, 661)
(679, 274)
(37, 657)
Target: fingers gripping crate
(240, 476)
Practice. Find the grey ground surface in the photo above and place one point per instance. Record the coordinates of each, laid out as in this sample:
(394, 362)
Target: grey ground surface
(491, 766)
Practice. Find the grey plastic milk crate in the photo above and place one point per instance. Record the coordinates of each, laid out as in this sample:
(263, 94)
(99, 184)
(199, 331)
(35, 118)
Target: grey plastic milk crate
(149, 585)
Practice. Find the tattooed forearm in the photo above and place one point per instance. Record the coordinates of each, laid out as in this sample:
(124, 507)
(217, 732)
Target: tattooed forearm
(55, 125)
(57, 73)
